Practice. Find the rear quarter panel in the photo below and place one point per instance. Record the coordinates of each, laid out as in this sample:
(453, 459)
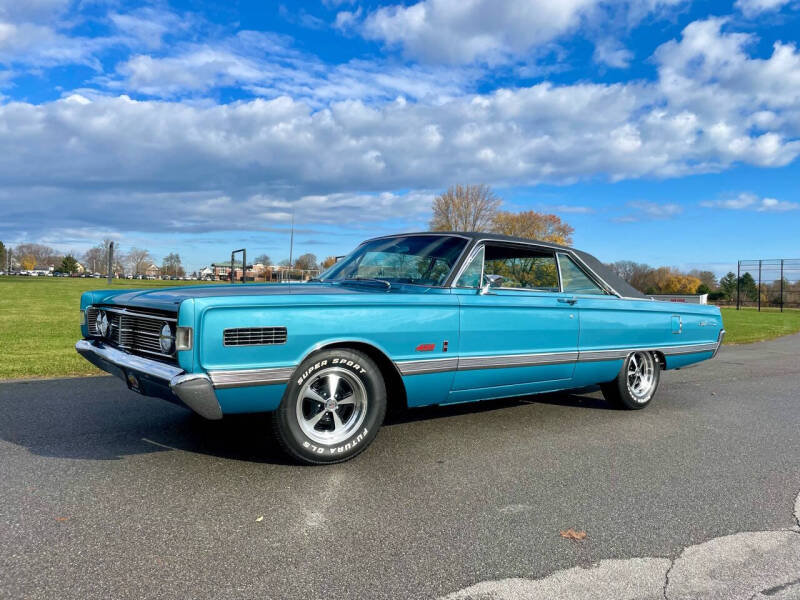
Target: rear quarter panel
(609, 323)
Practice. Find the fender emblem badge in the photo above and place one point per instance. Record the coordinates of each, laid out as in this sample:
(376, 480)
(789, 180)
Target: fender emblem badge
(426, 348)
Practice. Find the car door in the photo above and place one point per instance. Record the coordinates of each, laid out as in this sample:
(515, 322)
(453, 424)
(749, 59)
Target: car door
(520, 333)
(610, 327)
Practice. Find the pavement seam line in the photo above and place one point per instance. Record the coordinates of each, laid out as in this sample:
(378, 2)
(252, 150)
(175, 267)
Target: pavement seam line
(666, 575)
(797, 509)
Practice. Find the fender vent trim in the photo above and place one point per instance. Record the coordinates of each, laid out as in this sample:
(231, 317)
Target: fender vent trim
(254, 336)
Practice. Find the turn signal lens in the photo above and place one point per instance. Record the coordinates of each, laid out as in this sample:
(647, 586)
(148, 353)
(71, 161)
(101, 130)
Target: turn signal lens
(83, 317)
(183, 338)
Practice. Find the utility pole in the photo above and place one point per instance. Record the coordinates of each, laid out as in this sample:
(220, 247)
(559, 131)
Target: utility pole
(110, 261)
(291, 244)
(738, 283)
(759, 286)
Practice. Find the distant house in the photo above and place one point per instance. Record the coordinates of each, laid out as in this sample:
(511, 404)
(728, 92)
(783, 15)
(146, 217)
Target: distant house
(206, 273)
(222, 271)
(152, 271)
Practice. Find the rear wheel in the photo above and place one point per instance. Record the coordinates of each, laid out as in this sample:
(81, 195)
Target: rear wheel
(636, 383)
(332, 407)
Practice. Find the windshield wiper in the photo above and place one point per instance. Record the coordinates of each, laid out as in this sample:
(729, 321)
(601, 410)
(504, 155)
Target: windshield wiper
(367, 280)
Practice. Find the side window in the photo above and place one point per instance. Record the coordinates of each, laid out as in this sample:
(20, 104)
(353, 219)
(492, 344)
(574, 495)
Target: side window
(522, 268)
(574, 279)
(472, 275)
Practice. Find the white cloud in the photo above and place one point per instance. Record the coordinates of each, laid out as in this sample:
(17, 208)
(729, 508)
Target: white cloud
(266, 65)
(347, 19)
(44, 46)
(749, 201)
(568, 208)
(146, 27)
(649, 211)
(195, 165)
(493, 31)
(754, 8)
(610, 52)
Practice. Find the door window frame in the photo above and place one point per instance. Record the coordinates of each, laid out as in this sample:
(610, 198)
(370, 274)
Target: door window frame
(481, 245)
(582, 269)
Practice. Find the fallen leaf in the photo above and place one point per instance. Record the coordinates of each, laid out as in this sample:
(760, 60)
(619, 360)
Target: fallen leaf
(259, 519)
(571, 534)
(62, 519)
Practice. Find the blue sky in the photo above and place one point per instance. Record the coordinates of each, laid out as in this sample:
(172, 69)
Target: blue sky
(664, 131)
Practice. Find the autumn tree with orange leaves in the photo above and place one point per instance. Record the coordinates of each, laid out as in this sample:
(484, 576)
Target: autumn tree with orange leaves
(477, 208)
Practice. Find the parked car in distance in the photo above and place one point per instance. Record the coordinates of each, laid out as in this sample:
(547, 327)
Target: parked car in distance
(405, 320)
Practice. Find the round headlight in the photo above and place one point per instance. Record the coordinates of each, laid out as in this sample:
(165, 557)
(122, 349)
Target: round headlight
(101, 323)
(166, 339)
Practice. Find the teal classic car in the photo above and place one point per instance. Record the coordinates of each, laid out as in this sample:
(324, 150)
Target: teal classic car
(405, 320)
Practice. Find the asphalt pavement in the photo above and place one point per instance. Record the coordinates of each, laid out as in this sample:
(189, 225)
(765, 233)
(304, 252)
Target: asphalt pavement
(104, 493)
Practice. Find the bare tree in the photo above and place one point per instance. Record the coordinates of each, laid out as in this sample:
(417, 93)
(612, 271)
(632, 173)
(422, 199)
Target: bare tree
(263, 259)
(465, 208)
(172, 265)
(707, 278)
(40, 254)
(138, 260)
(93, 259)
(306, 262)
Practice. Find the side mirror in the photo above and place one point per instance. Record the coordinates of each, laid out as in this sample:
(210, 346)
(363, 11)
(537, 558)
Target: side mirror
(491, 281)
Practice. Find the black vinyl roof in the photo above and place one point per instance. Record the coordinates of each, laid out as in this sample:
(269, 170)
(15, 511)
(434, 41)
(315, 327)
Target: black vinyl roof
(617, 283)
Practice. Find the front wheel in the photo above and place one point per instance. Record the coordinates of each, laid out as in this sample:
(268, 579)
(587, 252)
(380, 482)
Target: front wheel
(636, 383)
(332, 407)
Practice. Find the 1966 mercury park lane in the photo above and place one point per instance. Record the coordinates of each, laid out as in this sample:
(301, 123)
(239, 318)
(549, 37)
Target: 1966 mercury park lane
(409, 320)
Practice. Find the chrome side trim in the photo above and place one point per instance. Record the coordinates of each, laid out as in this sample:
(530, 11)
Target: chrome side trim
(419, 367)
(250, 377)
(720, 337)
(281, 375)
(515, 360)
(598, 355)
(506, 361)
(687, 349)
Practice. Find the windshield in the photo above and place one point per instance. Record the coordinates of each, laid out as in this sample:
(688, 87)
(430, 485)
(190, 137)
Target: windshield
(417, 259)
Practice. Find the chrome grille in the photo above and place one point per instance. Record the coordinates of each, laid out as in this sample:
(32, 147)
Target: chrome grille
(133, 330)
(255, 336)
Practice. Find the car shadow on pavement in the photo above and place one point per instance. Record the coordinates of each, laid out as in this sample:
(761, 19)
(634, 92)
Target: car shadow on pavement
(579, 398)
(96, 420)
(93, 419)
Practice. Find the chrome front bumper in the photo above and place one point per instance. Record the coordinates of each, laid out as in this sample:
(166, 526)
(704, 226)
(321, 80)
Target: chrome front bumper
(153, 378)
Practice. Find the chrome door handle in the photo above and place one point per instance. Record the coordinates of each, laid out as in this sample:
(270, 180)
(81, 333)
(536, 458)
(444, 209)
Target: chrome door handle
(568, 300)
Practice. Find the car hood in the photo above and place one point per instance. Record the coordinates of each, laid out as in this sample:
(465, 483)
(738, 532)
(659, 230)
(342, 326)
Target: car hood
(169, 298)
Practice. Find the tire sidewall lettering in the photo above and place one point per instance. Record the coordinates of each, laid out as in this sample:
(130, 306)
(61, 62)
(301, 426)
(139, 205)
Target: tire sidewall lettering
(349, 445)
(342, 362)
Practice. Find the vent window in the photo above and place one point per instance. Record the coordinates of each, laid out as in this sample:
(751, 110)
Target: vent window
(255, 336)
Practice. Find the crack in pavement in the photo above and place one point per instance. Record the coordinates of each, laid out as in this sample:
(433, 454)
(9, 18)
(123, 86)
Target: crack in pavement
(666, 577)
(747, 565)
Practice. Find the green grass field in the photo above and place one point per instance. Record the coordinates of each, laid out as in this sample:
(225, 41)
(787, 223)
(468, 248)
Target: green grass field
(748, 325)
(39, 324)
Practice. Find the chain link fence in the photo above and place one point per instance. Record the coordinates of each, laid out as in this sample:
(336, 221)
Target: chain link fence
(768, 283)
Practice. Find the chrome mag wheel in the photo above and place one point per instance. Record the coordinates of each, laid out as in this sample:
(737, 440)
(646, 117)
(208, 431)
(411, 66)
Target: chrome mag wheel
(331, 406)
(641, 376)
